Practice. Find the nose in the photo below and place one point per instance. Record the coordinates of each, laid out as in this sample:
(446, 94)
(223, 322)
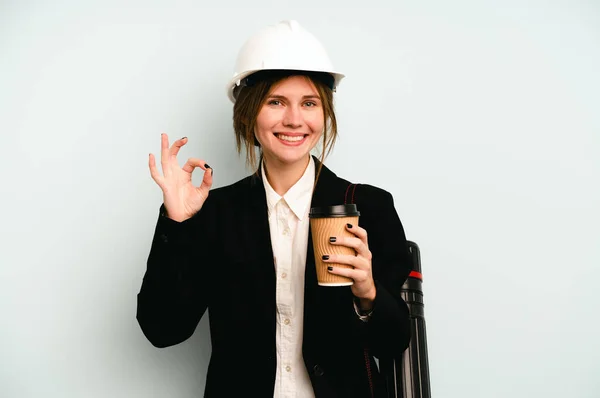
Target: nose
(292, 117)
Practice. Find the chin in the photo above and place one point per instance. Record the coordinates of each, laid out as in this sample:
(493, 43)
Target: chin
(288, 157)
(292, 159)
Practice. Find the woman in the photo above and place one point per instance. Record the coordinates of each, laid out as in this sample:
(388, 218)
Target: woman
(243, 251)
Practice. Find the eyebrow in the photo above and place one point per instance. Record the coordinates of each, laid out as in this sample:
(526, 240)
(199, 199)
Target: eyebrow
(276, 96)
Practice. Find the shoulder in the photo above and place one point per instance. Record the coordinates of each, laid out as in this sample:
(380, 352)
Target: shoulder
(371, 193)
(351, 189)
(237, 187)
(227, 201)
(364, 193)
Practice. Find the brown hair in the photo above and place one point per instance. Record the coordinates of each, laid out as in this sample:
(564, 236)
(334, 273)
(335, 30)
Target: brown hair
(249, 102)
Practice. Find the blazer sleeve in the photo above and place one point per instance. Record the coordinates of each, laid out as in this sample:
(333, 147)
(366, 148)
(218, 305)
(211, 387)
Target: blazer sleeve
(387, 332)
(172, 299)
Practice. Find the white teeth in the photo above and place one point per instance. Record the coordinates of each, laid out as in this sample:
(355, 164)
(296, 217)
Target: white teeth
(289, 138)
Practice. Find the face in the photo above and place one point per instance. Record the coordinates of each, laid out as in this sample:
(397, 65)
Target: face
(290, 122)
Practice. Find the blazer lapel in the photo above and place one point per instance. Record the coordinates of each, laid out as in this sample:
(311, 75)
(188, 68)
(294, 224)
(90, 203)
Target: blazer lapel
(257, 232)
(328, 191)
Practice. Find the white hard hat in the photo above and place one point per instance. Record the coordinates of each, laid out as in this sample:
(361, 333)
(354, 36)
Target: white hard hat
(284, 46)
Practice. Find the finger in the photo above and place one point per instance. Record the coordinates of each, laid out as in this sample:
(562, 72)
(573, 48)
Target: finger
(154, 171)
(177, 146)
(192, 163)
(356, 262)
(358, 275)
(360, 233)
(164, 154)
(207, 179)
(358, 245)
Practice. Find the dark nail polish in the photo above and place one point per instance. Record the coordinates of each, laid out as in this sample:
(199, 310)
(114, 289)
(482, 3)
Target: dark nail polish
(326, 257)
(349, 225)
(332, 239)
(183, 138)
(329, 268)
(206, 165)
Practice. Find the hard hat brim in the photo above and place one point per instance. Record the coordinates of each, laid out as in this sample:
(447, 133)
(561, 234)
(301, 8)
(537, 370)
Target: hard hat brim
(237, 80)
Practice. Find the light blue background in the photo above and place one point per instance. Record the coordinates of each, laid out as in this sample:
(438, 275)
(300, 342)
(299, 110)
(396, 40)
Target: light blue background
(481, 117)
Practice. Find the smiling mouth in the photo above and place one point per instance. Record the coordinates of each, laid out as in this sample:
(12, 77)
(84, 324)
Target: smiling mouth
(291, 138)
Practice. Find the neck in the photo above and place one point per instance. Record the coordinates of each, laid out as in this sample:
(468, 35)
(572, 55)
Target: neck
(283, 176)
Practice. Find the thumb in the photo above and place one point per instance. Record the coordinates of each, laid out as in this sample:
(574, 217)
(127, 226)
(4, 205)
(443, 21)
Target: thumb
(207, 179)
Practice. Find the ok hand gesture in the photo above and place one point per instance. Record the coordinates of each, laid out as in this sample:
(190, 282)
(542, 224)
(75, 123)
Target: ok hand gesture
(181, 198)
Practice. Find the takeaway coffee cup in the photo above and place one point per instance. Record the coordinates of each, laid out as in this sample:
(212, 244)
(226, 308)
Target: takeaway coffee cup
(326, 222)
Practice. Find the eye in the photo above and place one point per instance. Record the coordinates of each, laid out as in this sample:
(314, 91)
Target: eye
(310, 103)
(274, 102)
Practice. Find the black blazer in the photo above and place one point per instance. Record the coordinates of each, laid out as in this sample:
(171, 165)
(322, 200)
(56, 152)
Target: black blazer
(221, 259)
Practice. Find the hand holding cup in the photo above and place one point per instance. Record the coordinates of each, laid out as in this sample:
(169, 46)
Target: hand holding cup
(361, 268)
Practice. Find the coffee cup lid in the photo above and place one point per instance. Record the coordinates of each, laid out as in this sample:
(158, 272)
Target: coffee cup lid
(334, 211)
